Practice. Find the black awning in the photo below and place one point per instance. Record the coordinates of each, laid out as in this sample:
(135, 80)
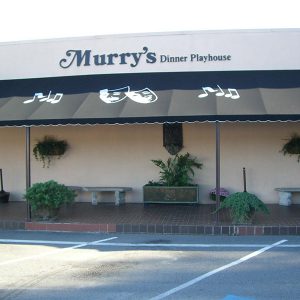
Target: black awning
(151, 97)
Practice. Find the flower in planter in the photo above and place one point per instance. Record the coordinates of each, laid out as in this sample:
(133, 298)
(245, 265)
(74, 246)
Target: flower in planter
(223, 194)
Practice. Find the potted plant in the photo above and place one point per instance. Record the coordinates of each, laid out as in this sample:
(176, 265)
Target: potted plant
(292, 147)
(176, 181)
(242, 207)
(49, 147)
(46, 198)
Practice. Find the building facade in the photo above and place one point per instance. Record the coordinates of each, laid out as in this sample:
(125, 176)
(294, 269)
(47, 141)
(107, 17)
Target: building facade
(109, 96)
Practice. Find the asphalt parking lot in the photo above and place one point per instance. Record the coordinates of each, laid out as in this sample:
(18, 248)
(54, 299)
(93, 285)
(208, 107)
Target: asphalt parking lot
(39, 265)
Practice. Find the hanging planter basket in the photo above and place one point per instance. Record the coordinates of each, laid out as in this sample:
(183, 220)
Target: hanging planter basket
(292, 147)
(48, 148)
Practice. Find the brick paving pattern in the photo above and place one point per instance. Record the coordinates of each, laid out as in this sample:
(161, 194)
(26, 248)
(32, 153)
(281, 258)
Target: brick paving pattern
(167, 219)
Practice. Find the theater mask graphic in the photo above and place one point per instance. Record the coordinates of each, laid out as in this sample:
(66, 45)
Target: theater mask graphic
(144, 96)
(113, 96)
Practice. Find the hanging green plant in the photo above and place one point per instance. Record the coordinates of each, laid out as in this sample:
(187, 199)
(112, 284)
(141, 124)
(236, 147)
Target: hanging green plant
(48, 148)
(292, 147)
(242, 207)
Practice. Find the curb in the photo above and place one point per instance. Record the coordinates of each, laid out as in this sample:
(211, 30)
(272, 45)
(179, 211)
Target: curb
(165, 229)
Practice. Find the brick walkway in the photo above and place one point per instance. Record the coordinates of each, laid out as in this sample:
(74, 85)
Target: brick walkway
(169, 219)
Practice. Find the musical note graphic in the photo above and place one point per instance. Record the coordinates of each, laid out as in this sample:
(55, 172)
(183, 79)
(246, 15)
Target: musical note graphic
(220, 92)
(46, 98)
(233, 94)
(36, 95)
(205, 90)
(41, 98)
(56, 98)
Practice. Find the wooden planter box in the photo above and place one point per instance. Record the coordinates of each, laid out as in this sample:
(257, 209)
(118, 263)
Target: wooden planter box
(167, 194)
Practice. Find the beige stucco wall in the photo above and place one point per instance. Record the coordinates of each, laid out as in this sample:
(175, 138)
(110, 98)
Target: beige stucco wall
(119, 155)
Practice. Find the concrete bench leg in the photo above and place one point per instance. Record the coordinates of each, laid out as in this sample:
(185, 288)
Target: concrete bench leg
(94, 198)
(285, 198)
(119, 198)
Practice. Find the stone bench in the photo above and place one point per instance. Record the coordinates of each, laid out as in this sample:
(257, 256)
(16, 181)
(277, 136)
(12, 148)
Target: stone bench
(94, 190)
(285, 194)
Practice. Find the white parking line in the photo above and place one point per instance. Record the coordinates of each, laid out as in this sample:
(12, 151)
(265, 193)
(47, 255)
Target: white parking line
(196, 245)
(215, 271)
(55, 251)
(10, 241)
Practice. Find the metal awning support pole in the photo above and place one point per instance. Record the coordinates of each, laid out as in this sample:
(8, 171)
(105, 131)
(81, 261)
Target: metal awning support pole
(28, 169)
(244, 179)
(217, 169)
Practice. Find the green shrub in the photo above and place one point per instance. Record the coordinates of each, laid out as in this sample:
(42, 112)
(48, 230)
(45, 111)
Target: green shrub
(242, 206)
(49, 196)
(177, 171)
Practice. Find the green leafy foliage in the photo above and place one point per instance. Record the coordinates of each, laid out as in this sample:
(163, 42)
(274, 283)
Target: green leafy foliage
(48, 195)
(292, 147)
(242, 206)
(45, 149)
(178, 170)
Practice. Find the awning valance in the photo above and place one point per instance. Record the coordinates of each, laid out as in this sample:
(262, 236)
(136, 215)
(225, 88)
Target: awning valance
(151, 97)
